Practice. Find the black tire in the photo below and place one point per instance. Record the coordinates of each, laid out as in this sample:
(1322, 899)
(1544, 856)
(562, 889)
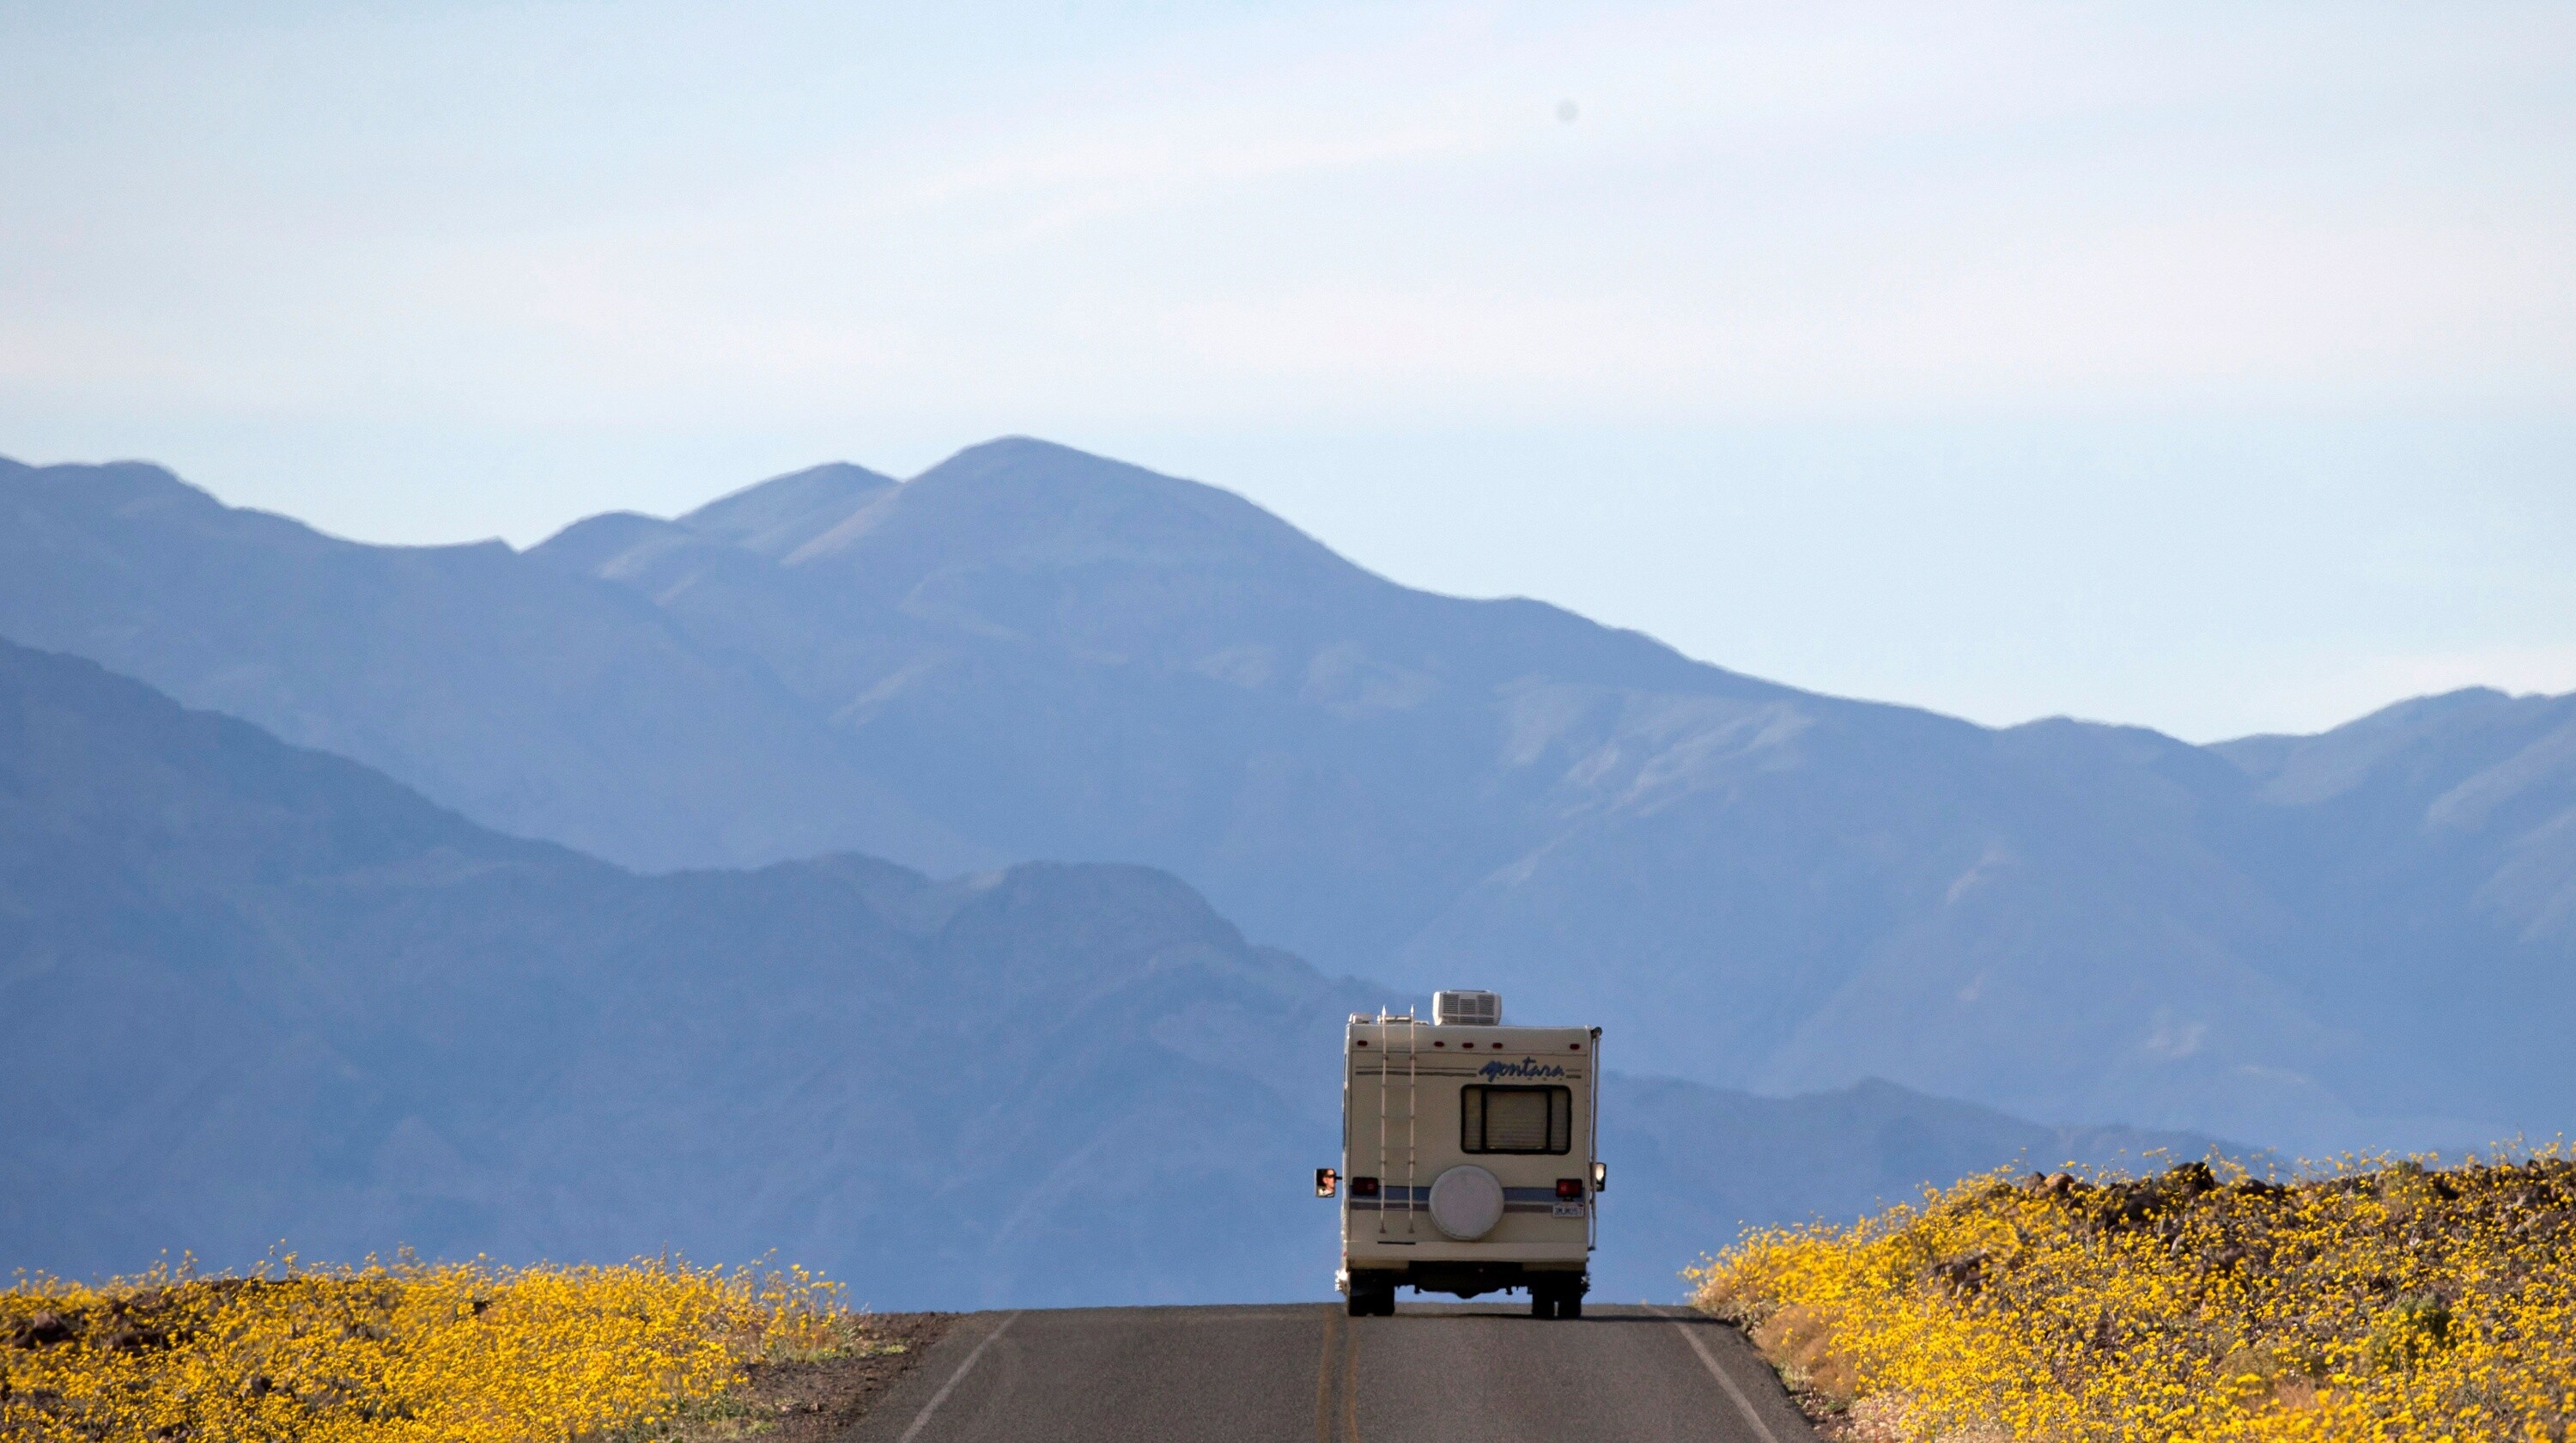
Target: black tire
(1360, 1304)
(1570, 1307)
(1542, 1306)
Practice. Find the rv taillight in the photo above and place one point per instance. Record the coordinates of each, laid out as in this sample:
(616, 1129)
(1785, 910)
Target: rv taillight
(1364, 1187)
(1569, 1187)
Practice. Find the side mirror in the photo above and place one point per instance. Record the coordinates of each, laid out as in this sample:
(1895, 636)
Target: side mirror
(1600, 1176)
(1327, 1182)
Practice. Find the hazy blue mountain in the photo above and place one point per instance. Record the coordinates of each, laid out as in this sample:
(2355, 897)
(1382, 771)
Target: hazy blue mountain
(536, 702)
(254, 994)
(1062, 656)
(1030, 653)
(2431, 847)
(1072, 657)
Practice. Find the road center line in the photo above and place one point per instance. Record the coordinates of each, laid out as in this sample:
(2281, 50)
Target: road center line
(923, 1421)
(1708, 1360)
(1350, 1384)
(1324, 1380)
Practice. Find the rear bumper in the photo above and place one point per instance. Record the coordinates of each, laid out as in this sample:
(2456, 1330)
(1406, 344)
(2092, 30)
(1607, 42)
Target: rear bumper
(1466, 1278)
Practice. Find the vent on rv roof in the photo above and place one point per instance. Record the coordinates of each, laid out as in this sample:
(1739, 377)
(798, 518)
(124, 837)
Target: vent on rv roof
(1466, 1009)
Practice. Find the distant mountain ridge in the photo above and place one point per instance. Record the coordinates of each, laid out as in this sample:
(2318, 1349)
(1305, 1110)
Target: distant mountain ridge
(1030, 653)
(537, 703)
(251, 994)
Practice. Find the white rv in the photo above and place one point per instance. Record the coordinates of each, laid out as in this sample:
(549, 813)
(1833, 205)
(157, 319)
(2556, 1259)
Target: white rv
(1467, 1157)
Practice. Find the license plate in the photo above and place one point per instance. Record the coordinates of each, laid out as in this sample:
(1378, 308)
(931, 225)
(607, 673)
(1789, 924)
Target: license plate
(1569, 1209)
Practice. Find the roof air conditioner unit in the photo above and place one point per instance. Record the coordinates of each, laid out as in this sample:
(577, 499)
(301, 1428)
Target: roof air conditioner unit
(1466, 1009)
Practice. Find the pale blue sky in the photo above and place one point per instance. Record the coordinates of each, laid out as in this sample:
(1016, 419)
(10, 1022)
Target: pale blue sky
(2206, 366)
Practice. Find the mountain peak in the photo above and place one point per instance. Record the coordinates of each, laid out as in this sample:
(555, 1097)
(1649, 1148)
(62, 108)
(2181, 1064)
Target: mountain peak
(1032, 502)
(2422, 746)
(594, 543)
(776, 516)
(116, 485)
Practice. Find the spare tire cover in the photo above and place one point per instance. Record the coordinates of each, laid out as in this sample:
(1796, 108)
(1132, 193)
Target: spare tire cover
(1466, 1202)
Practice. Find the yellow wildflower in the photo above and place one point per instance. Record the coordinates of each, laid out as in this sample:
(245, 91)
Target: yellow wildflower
(454, 1352)
(2381, 1301)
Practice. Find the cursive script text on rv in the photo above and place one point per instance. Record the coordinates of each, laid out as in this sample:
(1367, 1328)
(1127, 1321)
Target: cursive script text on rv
(1526, 1067)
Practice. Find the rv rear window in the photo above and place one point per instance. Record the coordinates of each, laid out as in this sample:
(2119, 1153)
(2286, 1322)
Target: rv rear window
(1516, 1119)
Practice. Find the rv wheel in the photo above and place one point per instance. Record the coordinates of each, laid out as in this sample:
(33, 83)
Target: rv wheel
(1541, 1305)
(1570, 1307)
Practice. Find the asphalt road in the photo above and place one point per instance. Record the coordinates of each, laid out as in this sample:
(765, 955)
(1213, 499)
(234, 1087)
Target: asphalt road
(1430, 1374)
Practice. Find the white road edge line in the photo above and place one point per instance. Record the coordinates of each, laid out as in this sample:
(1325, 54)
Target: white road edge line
(923, 1421)
(1708, 1360)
